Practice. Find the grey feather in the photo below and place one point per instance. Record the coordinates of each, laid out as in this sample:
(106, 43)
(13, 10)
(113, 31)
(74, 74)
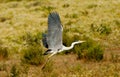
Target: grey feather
(44, 40)
(54, 37)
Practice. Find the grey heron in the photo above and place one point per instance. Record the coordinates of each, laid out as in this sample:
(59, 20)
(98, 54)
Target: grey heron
(53, 39)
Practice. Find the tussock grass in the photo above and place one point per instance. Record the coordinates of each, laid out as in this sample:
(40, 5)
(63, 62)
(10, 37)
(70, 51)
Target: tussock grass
(48, 68)
(33, 55)
(102, 29)
(90, 50)
(32, 51)
(4, 53)
(14, 71)
(115, 58)
(18, 70)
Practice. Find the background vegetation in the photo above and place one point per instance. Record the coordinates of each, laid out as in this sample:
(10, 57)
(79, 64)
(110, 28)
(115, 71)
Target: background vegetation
(22, 23)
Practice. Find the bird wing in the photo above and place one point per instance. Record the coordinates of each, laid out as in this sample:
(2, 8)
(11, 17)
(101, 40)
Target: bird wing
(44, 40)
(54, 36)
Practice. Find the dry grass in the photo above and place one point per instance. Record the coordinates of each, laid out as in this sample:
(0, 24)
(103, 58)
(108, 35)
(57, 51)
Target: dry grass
(97, 19)
(64, 66)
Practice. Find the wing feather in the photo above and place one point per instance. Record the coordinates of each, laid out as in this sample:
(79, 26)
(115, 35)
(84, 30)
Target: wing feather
(54, 37)
(44, 40)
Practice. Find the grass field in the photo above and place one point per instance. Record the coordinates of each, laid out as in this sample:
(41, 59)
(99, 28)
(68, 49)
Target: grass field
(22, 23)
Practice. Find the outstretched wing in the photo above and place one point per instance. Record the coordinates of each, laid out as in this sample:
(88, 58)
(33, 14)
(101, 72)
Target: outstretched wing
(54, 36)
(44, 40)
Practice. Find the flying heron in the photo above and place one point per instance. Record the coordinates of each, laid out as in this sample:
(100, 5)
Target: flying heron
(53, 39)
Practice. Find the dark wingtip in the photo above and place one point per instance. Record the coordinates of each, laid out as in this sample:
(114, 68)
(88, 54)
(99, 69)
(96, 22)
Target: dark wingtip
(53, 13)
(47, 52)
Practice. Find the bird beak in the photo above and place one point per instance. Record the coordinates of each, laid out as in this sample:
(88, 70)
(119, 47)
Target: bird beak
(82, 41)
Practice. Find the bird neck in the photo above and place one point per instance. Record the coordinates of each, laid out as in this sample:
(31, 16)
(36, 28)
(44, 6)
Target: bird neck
(72, 45)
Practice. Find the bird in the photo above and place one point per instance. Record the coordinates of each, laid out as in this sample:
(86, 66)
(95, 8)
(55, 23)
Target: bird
(53, 39)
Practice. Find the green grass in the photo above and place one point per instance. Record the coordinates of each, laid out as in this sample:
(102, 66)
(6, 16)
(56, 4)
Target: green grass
(32, 48)
(33, 55)
(90, 50)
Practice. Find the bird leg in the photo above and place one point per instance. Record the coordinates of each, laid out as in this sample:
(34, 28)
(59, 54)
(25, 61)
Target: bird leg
(48, 60)
(45, 63)
(52, 54)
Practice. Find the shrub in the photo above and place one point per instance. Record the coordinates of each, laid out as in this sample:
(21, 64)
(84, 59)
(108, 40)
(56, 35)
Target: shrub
(33, 55)
(82, 49)
(32, 51)
(90, 50)
(95, 52)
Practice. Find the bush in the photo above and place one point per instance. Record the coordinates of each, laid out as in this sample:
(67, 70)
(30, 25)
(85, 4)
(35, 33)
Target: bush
(95, 52)
(32, 51)
(87, 50)
(82, 49)
(90, 50)
(33, 55)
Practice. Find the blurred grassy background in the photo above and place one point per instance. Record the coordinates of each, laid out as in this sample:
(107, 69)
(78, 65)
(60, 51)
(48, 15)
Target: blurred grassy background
(22, 23)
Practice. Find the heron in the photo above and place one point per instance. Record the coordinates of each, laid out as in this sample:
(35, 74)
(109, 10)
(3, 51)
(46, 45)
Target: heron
(53, 39)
